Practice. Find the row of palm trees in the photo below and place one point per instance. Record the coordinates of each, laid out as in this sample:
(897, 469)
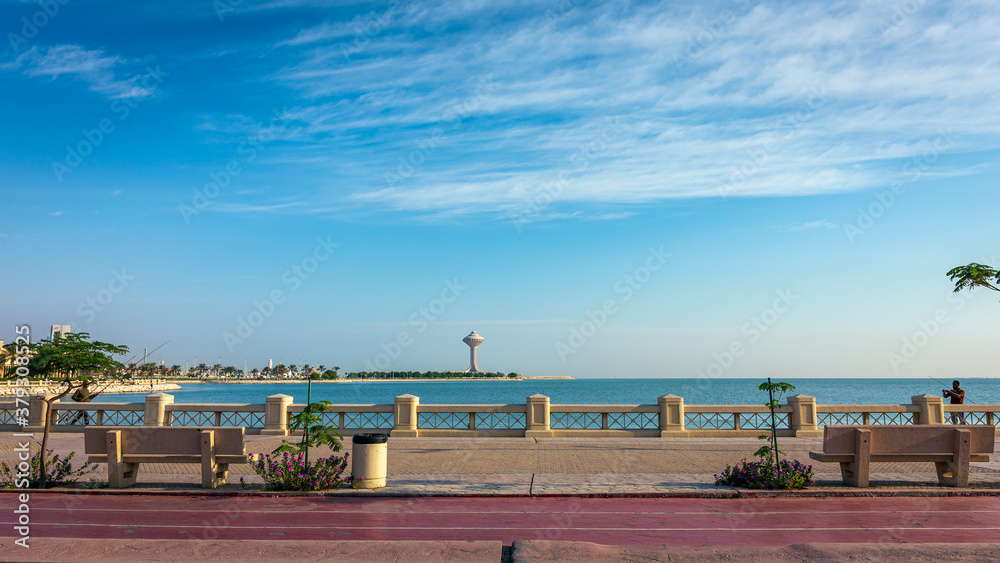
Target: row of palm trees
(218, 370)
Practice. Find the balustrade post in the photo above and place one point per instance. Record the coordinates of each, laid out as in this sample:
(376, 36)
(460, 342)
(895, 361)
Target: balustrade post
(156, 409)
(537, 417)
(38, 409)
(804, 420)
(276, 415)
(404, 413)
(931, 409)
(672, 417)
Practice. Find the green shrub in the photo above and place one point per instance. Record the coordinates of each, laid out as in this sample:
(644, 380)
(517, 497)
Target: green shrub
(58, 471)
(290, 472)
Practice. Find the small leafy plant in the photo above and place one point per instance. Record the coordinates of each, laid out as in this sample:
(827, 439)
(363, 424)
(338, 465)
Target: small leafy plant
(315, 431)
(58, 471)
(768, 471)
(291, 470)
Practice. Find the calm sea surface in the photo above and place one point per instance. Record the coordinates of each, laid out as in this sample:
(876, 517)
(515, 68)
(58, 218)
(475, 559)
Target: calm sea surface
(578, 391)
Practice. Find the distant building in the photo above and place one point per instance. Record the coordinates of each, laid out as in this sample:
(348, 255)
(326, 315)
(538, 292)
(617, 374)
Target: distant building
(60, 330)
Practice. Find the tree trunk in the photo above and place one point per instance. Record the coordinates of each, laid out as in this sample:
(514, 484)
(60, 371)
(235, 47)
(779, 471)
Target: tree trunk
(45, 433)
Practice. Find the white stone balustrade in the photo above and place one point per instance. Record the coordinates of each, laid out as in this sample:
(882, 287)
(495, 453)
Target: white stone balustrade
(536, 417)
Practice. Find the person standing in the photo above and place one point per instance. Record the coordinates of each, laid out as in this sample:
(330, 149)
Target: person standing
(957, 395)
(83, 395)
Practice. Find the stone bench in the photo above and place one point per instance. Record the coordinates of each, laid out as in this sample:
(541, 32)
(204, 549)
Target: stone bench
(951, 448)
(123, 448)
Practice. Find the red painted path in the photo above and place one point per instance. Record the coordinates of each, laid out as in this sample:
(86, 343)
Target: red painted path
(612, 521)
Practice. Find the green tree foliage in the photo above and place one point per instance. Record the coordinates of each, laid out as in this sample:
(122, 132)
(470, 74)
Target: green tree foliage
(74, 355)
(973, 276)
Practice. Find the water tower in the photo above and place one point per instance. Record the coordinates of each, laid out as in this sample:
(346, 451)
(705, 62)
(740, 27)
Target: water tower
(473, 340)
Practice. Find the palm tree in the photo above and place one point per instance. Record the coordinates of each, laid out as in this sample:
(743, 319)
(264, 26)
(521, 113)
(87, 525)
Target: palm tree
(973, 276)
(8, 354)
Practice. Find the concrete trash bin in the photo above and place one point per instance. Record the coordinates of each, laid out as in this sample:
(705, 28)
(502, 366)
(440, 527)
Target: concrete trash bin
(369, 453)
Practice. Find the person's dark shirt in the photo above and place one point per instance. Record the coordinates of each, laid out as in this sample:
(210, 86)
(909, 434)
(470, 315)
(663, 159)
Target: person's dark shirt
(957, 396)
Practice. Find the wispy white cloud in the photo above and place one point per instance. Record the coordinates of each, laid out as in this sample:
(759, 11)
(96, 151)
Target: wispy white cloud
(726, 98)
(90, 66)
(821, 224)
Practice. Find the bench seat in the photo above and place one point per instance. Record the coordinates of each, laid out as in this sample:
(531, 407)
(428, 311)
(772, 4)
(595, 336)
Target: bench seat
(124, 448)
(950, 448)
(170, 458)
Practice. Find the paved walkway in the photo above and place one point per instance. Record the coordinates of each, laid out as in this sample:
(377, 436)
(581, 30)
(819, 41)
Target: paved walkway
(130, 527)
(536, 509)
(557, 466)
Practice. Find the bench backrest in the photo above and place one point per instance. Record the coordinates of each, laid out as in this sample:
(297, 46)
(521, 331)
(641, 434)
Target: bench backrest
(164, 440)
(907, 439)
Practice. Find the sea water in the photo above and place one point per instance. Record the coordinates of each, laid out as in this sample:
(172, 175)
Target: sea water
(577, 391)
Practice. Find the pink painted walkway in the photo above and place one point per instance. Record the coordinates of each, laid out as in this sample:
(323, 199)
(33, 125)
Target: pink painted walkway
(609, 521)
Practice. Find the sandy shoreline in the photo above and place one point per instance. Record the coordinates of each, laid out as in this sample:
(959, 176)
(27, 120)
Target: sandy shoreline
(317, 381)
(112, 389)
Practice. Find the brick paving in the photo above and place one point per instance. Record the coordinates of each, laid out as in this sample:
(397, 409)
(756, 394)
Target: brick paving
(546, 466)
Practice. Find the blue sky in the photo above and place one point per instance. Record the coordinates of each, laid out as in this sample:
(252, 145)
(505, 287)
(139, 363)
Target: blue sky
(600, 189)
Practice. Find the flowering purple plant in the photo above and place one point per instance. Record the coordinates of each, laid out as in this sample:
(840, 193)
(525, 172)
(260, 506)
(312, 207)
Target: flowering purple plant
(763, 474)
(289, 472)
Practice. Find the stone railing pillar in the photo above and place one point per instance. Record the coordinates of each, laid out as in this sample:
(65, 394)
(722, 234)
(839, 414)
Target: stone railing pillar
(276, 415)
(404, 414)
(672, 417)
(804, 422)
(537, 417)
(156, 409)
(931, 409)
(37, 411)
